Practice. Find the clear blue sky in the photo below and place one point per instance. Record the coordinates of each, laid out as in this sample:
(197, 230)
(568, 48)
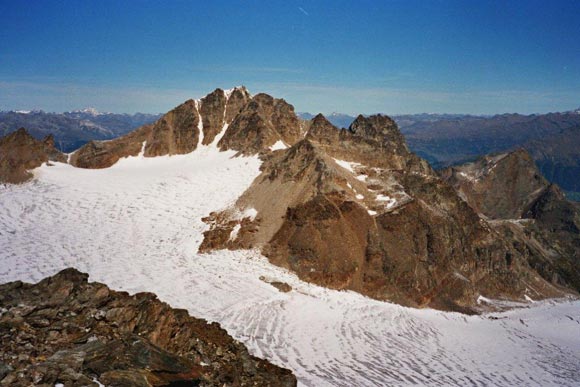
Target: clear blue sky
(322, 56)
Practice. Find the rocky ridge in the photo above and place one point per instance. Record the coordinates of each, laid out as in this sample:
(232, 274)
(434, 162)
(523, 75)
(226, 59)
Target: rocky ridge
(355, 209)
(180, 131)
(20, 152)
(509, 191)
(66, 330)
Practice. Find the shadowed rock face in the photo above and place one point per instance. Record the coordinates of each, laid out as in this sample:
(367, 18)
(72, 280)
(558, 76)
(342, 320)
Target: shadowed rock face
(20, 152)
(532, 213)
(556, 223)
(499, 187)
(213, 111)
(260, 124)
(354, 209)
(67, 330)
(238, 98)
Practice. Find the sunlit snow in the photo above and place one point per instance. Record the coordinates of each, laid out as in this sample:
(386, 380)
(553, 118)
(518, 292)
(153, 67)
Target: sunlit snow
(137, 226)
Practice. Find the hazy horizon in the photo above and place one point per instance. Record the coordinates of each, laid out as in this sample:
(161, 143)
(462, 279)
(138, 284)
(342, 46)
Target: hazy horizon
(396, 57)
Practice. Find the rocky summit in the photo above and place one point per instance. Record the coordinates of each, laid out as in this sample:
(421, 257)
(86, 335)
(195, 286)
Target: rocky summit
(68, 331)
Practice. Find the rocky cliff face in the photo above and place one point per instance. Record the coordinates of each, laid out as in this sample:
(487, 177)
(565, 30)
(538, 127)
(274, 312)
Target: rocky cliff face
(180, 131)
(260, 124)
(354, 209)
(69, 331)
(500, 186)
(20, 152)
(509, 190)
(374, 141)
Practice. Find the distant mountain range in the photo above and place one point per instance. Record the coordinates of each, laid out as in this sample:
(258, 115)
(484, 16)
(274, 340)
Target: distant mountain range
(552, 139)
(72, 130)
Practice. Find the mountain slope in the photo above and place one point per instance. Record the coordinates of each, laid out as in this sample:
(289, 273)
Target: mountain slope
(180, 131)
(558, 157)
(355, 209)
(136, 226)
(348, 209)
(552, 139)
(509, 190)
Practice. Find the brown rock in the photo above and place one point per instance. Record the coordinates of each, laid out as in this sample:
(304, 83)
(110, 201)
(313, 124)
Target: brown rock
(532, 213)
(384, 225)
(213, 110)
(260, 124)
(500, 186)
(103, 154)
(20, 152)
(119, 339)
(175, 133)
(236, 102)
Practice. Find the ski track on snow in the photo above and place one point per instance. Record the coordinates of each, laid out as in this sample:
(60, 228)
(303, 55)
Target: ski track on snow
(137, 225)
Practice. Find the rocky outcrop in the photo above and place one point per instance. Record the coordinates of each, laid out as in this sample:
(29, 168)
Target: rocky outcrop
(213, 112)
(509, 190)
(69, 331)
(374, 141)
(219, 108)
(180, 131)
(20, 152)
(176, 133)
(260, 124)
(238, 98)
(104, 154)
(499, 186)
(354, 209)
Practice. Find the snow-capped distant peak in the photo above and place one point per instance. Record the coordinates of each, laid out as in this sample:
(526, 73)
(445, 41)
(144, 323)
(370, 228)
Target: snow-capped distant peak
(22, 111)
(90, 110)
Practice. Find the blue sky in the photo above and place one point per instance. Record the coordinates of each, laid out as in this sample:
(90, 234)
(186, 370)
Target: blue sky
(464, 56)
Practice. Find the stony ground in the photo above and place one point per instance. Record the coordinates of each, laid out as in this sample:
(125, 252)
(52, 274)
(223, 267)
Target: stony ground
(65, 330)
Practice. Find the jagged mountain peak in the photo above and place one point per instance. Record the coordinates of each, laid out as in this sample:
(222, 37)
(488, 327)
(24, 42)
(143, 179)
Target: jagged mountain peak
(376, 127)
(262, 122)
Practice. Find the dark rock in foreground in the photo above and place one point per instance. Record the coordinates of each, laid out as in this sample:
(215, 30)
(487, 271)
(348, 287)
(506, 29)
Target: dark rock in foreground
(69, 331)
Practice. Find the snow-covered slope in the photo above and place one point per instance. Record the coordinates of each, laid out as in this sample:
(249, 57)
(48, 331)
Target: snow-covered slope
(137, 225)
